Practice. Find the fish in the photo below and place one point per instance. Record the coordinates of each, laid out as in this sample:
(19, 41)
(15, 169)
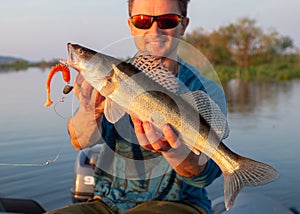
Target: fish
(144, 88)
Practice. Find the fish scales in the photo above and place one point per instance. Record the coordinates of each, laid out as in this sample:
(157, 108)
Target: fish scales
(147, 98)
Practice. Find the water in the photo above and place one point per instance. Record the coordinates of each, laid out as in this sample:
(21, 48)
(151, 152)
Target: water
(263, 117)
(32, 134)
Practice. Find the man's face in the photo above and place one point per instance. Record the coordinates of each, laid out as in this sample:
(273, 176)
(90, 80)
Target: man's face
(160, 42)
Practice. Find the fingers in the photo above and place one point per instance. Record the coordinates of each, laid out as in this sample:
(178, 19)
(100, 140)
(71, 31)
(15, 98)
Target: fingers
(98, 101)
(140, 134)
(155, 137)
(138, 125)
(86, 90)
(79, 79)
(89, 97)
(77, 85)
(76, 89)
(82, 88)
(149, 137)
(171, 137)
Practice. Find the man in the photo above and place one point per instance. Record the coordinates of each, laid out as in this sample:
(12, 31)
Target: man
(150, 171)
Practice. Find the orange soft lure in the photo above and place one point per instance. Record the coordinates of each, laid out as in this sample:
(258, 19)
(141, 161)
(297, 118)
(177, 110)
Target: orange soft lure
(66, 76)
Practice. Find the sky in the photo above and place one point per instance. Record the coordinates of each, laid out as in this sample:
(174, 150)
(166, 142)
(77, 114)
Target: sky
(39, 29)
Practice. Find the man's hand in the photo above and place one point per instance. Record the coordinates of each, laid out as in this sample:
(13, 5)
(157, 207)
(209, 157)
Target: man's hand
(179, 156)
(84, 125)
(89, 98)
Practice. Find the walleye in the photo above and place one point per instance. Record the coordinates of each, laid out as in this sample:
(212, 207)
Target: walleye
(148, 91)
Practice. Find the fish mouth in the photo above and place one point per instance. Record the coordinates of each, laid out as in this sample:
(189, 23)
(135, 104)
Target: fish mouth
(71, 57)
(73, 60)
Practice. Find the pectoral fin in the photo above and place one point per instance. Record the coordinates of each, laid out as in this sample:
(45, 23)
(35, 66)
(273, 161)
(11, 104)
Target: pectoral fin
(112, 111)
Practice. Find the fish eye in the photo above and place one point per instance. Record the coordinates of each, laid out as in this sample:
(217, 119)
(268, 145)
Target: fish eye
(80, 51)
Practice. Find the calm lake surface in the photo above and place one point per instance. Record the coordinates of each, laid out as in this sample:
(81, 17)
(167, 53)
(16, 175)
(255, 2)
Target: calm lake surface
(264, 120)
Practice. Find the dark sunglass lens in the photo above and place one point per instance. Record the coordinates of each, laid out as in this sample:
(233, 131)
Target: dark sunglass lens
(168, 21)
(142, 21)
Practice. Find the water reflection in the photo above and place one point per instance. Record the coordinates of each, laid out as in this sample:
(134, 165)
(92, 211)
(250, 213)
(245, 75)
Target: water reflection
(245, 96)
(264, 121)
(263, 116)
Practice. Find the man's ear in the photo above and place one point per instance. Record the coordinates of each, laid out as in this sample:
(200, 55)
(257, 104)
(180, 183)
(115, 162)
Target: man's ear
(129, 25)
(184, 24)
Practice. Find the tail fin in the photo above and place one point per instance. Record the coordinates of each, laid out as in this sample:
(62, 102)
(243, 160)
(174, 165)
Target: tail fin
(249, 173)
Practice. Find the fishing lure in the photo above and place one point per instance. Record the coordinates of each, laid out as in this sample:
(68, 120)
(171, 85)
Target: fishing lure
(66, 76)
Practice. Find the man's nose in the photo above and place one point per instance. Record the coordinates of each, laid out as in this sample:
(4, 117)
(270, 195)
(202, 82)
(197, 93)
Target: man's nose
(154, 28)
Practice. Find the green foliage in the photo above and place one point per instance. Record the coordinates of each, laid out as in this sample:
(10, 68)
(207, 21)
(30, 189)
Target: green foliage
(242, 43)
(244, 50)
(263, 72)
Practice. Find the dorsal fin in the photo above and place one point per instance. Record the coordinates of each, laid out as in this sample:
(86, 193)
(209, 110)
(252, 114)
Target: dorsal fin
(156, 70)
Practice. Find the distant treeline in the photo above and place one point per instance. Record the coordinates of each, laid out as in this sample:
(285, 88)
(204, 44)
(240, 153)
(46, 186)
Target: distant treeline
(242, 49)
(242, 43)
(24, 64)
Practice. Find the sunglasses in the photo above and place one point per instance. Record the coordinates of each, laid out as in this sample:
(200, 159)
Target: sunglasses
(166, 21)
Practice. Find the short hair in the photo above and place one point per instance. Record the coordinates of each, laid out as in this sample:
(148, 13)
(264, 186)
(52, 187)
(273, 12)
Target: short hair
(182, 4)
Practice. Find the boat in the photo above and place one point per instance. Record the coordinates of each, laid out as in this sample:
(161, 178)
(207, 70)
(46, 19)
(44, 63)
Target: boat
(83, 190)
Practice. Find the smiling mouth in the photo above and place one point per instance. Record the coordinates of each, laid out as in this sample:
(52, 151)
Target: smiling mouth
(156, 42)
